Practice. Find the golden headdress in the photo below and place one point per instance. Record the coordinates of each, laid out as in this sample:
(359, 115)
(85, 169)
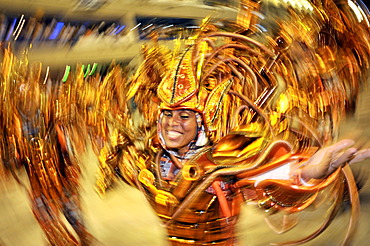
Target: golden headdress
(214, 79)
(180, 88)
(303, 71)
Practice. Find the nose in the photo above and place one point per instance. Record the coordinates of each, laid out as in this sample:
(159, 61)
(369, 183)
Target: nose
(173, 121)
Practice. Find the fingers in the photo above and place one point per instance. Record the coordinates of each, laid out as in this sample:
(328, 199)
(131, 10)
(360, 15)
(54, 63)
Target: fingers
(360, 156)
(328, 154)
(343, 158)
(329, 159)
(335, 156)
(341, 145)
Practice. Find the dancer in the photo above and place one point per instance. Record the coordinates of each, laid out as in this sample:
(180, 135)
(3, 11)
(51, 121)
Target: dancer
(238, 116)
(38, 140)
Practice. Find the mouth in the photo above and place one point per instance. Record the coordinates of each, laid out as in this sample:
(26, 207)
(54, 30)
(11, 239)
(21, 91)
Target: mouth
(173, 134)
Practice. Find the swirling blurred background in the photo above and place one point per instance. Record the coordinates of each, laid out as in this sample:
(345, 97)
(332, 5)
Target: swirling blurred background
(63, 33)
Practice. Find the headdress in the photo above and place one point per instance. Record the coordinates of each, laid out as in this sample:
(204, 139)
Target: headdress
(180, 88)
(242, 81)
(213, 79)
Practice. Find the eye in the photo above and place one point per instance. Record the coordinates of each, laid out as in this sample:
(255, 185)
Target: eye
(167, 113)
(184, 116)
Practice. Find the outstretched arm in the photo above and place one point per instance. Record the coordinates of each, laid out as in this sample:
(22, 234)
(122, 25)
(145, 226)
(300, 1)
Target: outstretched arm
(328, 159)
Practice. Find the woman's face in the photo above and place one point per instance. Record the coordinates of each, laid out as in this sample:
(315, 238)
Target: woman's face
(178, 128)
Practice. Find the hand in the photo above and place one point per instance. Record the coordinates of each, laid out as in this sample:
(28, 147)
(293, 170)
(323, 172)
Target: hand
(328, 159)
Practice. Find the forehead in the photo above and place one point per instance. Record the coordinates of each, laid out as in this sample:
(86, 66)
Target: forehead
(180, 111)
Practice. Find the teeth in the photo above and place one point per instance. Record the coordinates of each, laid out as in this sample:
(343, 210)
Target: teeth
(173, 134)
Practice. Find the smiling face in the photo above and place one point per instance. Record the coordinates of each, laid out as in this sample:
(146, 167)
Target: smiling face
(178, 128)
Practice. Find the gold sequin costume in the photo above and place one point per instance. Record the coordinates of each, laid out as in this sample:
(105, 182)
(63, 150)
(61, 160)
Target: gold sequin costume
(266, 99)
(35, 135)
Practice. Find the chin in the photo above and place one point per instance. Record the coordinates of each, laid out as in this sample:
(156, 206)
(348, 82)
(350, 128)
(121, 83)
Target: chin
(172, 147)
